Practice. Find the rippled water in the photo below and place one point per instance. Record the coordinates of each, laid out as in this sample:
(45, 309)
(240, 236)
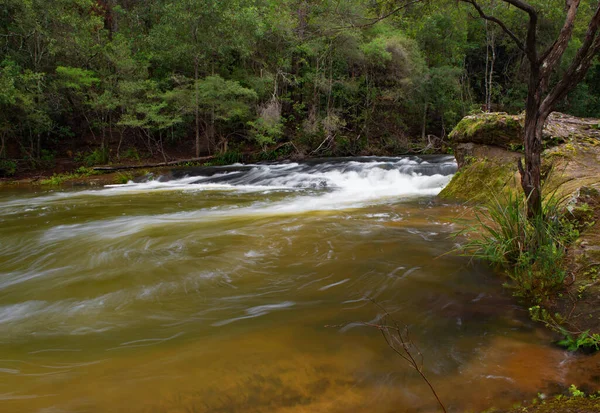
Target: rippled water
(243, 289)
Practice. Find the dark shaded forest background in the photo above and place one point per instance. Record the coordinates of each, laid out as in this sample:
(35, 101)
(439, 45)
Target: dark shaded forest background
(108, 80)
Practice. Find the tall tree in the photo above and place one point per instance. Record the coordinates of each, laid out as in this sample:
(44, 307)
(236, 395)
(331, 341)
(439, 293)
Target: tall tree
(542, 97)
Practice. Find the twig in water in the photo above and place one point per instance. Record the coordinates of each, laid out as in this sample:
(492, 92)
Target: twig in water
(399, 340)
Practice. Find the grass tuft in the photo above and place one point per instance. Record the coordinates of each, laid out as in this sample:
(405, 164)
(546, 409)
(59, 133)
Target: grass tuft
(530, 250)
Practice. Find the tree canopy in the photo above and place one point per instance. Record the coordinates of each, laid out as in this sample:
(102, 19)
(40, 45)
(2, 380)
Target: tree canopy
(207, 76)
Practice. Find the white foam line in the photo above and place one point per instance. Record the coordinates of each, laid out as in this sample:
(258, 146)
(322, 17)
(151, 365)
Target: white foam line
(149, 341)
(9, 396)
(314, 281)
(257, 311)
(10, 371)
(52, 373)
(327, 287)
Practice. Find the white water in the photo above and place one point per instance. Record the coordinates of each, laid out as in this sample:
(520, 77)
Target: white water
(321, 187)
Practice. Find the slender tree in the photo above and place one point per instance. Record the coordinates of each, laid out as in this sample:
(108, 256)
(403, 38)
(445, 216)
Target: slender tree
(542, 98)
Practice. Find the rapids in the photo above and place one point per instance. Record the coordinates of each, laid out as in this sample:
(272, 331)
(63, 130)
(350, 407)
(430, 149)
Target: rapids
(244, 289)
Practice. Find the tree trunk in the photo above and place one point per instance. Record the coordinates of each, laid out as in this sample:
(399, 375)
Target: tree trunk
(2, 144)
(210, 131)
(196, 109)
(489, 67)
(424, 124)
(534, 125)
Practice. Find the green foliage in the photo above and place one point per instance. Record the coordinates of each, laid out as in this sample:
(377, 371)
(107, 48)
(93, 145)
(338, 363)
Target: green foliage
(575, 392)
(59, 179)
(157, 72)
(131, 154)
(584, 341)
(122, 178)
(96, 157)
(531, 250)
(268, 128)
(7, 167)
(271, 155)
(76, 78)
(227, 98)
(228, 158)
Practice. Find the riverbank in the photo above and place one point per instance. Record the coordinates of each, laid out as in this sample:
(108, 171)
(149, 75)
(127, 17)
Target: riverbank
(487, 148)
(75, 172)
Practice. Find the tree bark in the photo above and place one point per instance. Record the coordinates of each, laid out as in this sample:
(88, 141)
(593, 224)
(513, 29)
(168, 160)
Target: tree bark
(531, 172)
(196, 103)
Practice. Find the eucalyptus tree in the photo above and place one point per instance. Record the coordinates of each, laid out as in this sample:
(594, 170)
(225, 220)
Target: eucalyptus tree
(544, 58)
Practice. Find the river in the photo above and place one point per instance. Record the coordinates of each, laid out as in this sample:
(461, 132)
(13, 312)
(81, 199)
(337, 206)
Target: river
(246, 288)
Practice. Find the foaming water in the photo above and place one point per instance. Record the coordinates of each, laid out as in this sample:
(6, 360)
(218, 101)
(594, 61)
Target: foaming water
(245, 289)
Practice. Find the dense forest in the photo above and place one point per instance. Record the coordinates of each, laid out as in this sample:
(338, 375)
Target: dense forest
(106, 80)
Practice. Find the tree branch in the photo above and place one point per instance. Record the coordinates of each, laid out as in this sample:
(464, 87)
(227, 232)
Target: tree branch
(500, 23)
(380, 18)
(554, 53)
(398, 339)
(578, 68)
(530, 44)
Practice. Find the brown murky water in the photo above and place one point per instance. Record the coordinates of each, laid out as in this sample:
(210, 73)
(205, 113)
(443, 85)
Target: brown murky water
(198, 294)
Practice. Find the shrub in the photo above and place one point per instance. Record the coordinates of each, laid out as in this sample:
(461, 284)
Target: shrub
(58, 179)
(131, 153)
(96, 157)
(122, 178)
(228, 158)
(530, 250)
(7, 167)
(585, 341)
(268, 128)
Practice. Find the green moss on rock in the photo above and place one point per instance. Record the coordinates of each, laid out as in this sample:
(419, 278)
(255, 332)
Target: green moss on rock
(497, 129)
(480, 179)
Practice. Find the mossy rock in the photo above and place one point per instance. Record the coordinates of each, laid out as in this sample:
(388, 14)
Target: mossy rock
(485, 147)
(481, 179)
(506, 131)
(496, 129)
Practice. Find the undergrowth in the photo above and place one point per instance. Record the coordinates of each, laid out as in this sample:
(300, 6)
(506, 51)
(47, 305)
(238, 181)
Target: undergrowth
(529, 250)
(58, 179)
(7, 167)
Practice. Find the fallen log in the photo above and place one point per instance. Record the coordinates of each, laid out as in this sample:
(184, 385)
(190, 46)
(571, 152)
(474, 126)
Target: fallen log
(153, 165)
(183, 161)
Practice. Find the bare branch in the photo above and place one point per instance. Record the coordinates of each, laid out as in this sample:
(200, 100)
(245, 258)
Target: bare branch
(371, 22)
(500, 23)
(523, 6)
(398, 339)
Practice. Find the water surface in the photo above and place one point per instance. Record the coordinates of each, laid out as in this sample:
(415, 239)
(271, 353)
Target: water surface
(244, 289)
